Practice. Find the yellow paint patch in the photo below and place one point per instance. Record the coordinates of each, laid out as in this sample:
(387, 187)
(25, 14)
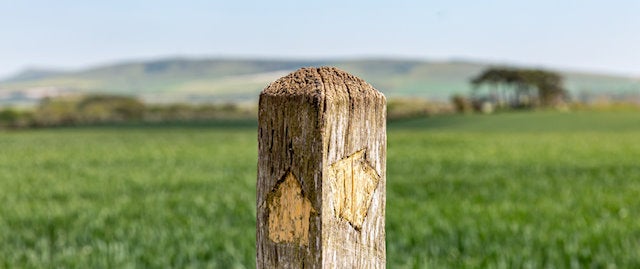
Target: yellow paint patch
(353, 181)
(289, 213)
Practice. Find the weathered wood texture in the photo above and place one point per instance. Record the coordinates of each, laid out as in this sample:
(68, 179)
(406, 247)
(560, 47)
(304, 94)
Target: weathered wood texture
(321, 172)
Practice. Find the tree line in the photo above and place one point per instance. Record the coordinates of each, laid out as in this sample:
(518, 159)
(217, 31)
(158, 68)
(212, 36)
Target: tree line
(102, 109)
(497, 87)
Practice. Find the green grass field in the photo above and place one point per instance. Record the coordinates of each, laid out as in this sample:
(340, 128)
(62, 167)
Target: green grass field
(522, 190)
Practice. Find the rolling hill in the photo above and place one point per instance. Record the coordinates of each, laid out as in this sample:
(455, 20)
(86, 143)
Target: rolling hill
(234, 80)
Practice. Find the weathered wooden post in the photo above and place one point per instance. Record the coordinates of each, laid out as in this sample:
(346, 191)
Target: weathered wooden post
(321, 172)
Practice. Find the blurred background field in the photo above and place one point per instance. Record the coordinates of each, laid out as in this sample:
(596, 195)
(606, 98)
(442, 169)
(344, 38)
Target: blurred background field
(509, 190)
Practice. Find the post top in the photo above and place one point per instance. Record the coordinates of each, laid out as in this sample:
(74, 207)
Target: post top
(326, 80)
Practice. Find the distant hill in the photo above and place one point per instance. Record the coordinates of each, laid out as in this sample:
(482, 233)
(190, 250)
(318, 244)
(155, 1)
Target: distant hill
(33, 74)
(225, 80)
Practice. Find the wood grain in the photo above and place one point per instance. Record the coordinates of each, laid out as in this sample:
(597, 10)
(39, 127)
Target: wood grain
(322, 141)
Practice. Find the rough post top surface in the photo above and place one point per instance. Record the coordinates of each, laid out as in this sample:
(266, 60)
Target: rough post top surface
(321, 81)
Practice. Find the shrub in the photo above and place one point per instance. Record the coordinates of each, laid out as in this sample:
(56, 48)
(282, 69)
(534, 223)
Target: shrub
(110, 108)
(56, 111)
(461, 104)
(399, 108)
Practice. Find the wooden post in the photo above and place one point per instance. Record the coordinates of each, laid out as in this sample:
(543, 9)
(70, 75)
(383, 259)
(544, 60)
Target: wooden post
(321, 172)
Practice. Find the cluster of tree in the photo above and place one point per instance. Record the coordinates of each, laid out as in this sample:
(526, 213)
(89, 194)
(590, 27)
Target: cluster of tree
(517, 88)
(99, 109)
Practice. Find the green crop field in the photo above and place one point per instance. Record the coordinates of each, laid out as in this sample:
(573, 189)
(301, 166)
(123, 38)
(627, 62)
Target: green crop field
(521, 190)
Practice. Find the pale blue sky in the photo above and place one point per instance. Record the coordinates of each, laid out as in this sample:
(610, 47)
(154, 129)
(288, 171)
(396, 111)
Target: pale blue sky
(584, 35)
